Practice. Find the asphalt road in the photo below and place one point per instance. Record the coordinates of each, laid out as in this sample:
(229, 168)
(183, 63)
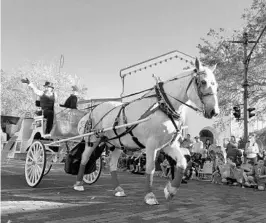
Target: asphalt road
(55, 201)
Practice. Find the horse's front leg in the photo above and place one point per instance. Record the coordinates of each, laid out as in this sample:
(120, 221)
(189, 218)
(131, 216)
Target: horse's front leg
(84, 160)
(175, 153)
(119, 191)
(150, 198)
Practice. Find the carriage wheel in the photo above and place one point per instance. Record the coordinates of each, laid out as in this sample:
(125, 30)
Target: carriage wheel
(35, 163)
(94, 176)
(49, 161)
(47, 169)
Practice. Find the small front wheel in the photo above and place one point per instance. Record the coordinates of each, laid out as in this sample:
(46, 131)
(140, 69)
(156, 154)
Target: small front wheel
(91, 178)
(35, 163)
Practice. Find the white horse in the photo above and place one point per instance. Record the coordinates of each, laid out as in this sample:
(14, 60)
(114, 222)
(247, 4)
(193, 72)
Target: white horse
(197, 85)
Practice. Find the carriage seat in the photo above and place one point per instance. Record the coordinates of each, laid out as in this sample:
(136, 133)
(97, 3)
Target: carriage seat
(38, 112)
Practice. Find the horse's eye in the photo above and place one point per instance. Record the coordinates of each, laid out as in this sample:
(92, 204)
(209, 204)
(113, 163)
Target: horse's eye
(203, 82)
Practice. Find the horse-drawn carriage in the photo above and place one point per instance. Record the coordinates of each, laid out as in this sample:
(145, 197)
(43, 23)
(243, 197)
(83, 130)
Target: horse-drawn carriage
(46, 150)
(151, 121)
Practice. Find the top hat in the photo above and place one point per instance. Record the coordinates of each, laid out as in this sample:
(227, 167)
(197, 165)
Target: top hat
(48, 84)
(74, 88)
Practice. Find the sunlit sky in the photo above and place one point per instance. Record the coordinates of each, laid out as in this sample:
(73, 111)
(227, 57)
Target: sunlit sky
(98, 38)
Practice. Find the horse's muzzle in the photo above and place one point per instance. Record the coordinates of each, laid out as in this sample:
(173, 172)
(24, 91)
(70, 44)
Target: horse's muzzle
(214, 113)
(211, 114)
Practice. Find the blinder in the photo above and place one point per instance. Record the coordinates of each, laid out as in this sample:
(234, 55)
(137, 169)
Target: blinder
(196, 79)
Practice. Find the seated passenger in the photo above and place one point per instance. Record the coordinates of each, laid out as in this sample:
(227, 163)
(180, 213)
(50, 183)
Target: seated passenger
(72, 100)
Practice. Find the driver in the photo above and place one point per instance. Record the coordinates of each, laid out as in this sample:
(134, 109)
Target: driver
(47, 100)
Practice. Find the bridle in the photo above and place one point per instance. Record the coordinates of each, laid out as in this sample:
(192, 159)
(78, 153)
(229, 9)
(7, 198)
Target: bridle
(196, 80)
(162, 96)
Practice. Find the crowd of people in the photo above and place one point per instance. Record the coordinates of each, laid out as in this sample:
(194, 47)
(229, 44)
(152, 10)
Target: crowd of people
(232, 163)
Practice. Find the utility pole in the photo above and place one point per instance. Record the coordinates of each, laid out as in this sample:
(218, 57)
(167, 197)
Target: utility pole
(245, 85)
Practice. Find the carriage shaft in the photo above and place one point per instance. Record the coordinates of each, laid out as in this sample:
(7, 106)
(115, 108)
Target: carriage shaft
(100, 131)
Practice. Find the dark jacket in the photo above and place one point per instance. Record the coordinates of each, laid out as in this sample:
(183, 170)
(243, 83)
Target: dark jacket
(47, 102)
(71, 102)
(232, 151)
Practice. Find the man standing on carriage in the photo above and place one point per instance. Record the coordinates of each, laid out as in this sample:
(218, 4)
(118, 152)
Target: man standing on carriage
(47, 100)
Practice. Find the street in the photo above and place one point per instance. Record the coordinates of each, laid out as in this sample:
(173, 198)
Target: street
(55, 201)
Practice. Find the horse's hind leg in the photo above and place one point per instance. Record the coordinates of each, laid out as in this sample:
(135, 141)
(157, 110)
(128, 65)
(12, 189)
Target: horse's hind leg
(181, 163)
(119, 191)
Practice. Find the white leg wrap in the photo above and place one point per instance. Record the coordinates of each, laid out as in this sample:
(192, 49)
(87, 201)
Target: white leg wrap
(169, 191)
(119, 192)
(150, 199)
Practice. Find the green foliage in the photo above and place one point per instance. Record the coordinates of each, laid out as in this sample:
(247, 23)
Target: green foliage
(217, 48)
(17, 98)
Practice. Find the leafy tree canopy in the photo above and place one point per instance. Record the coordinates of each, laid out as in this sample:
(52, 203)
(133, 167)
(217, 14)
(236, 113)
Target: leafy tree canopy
(17, 98)
(217, 48)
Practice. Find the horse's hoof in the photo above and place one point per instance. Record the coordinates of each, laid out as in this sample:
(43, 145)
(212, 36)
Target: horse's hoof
(150, 199)
(78, 188)
(119, 192)
(169, 191)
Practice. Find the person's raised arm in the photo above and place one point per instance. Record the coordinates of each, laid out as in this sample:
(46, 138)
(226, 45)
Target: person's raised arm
(32, 86)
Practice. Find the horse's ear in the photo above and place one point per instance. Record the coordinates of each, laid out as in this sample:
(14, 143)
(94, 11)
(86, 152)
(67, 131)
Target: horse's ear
(198, 64)
(213, 68)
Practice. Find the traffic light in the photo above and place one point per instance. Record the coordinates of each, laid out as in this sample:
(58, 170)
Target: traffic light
(250, 112)
(237, 112)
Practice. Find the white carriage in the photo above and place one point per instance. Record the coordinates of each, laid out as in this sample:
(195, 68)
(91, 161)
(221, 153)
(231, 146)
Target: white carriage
(45, 150)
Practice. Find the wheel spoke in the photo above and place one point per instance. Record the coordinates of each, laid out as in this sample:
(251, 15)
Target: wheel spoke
(31, 154)
(29, 157)
(40, 159)
(39, 169)
(31, 176)
(29, 171)
(35, 174)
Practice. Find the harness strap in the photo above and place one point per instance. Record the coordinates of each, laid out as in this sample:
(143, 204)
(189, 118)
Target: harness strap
(135, 139)
(149, 111)
(116, 123)
(164, 96)
(165, 104)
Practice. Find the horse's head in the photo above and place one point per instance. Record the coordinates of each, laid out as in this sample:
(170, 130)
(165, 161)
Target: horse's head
(202, 90)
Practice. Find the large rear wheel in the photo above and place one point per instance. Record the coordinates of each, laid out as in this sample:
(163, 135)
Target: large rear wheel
(35, 163)
(94, 176)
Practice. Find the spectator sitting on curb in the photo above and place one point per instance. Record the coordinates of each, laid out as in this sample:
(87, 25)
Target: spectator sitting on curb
(165, 166)
(197, 146)
(187, 143)
(232, 151)
(258, 175)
